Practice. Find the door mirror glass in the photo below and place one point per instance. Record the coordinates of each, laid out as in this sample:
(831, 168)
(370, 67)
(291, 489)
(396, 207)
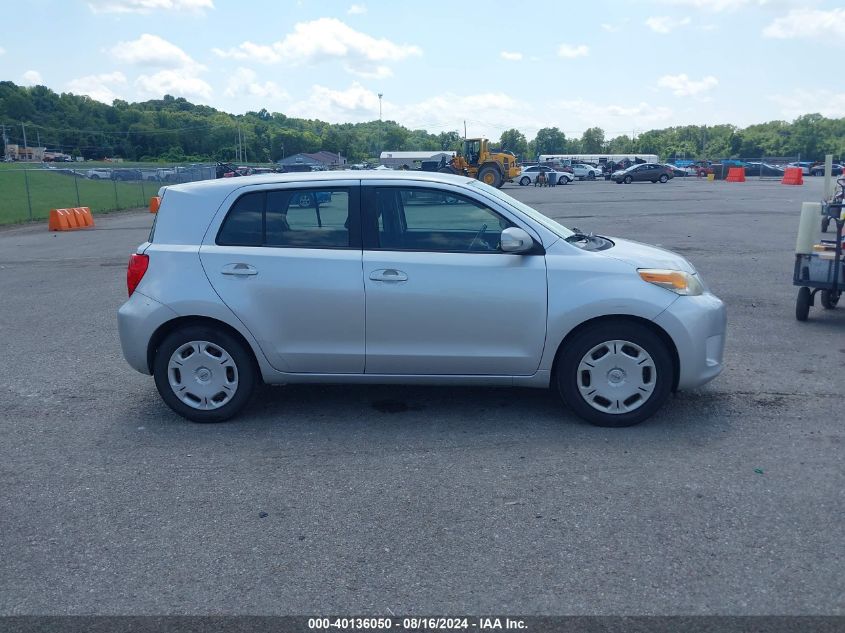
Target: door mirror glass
(516, 240)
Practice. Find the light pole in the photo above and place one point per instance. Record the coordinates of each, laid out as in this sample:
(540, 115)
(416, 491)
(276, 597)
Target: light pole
(380, 95)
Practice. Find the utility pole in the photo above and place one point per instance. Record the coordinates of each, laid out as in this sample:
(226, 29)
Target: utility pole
(380, 95)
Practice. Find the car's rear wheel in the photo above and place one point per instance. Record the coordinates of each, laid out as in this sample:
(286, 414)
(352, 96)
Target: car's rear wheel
(628, 180)
(525, 181)
(204, 374)
(563, 180)
(591, 175)
(664, 179)
(616, 373)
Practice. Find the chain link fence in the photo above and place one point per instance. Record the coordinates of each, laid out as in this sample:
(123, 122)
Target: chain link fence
(29, 192)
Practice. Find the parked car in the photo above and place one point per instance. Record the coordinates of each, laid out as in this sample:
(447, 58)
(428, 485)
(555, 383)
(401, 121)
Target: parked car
(583, 171)
(818, 170)
(680, 172)
(805, 166)
(238, 285)
(756, 168)
(99, 173)
(127, 174)
(528, 175)
(646, 172)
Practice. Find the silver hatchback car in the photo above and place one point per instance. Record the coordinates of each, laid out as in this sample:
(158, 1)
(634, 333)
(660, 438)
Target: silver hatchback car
(412, 278)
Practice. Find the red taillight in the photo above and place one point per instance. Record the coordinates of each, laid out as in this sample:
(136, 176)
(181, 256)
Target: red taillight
(135, 272)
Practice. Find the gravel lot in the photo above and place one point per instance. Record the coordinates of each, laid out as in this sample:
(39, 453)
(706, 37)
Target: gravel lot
(428, 500)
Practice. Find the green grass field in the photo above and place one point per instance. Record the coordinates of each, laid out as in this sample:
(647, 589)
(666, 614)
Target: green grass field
(49, 190)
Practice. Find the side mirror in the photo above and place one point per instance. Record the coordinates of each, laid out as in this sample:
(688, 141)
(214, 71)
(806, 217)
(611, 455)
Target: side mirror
(515, 240)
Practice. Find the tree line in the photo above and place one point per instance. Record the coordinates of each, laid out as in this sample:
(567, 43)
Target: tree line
(176, 130)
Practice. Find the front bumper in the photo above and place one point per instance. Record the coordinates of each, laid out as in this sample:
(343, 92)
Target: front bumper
(137, 321)
(697, 326)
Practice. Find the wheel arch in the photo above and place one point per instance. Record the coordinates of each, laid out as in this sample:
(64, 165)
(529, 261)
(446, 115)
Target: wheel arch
(185, 321)
(651, 325)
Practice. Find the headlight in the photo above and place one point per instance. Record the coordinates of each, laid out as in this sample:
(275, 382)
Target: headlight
(677, 281)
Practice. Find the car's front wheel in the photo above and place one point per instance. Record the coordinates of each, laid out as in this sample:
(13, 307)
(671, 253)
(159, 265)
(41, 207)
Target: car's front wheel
(628, 180)
(616, 373)
(563, 180)
(525, 181)
(204, 374)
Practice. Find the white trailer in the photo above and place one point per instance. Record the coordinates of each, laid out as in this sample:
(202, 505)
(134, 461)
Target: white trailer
(598, 159)
(412, 160)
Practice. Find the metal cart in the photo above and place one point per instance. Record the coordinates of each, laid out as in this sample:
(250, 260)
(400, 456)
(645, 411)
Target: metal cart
(817, 273)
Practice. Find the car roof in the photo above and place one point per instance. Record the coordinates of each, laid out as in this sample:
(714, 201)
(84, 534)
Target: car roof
(229, 184)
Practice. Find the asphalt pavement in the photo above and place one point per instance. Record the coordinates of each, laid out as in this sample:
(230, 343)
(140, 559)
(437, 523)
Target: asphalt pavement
(412, 500)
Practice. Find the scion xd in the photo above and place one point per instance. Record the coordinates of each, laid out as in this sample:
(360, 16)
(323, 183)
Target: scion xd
(428, 279)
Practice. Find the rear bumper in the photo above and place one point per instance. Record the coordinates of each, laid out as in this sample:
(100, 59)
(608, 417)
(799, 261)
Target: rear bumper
(697, 326)
(137, 320)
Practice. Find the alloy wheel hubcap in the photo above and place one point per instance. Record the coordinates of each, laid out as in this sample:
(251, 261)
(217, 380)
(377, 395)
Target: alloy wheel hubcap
(202, 375)
(616, 377)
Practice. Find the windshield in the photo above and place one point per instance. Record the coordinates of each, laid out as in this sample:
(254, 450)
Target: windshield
(554, 227)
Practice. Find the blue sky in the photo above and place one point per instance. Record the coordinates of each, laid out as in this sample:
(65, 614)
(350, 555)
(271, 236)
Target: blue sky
(624, 66)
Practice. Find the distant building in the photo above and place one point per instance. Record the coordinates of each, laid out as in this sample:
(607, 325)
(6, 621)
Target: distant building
(317, 160)
(412, 160)
(19, 152)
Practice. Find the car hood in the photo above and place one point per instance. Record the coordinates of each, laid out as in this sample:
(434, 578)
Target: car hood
(646, 256)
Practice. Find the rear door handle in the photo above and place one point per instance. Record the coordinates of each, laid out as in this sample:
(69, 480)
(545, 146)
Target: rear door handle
(389, 275)
(239, 270)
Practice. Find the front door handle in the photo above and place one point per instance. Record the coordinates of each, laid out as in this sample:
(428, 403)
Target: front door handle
(239, 270)
(389, 275)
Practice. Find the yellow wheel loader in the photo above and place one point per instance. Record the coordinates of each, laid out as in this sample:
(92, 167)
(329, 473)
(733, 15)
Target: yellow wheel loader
(477, 161)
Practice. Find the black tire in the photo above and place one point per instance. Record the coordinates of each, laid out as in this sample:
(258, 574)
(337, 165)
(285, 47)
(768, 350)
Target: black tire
(591, 175)
(525, 181)
(447, 170)
(243, 361)
(490, 175)
(563, 180)
(802, 304)
(305, 200)
(94, 177)
(628, 180)
(829, 299)
(825, 223)
(664, 179)
(569, 357)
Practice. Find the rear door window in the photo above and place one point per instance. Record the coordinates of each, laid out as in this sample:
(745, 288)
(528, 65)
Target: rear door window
(293, 218)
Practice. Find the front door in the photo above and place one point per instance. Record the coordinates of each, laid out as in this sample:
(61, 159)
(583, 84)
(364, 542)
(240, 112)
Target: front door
(441, 297)
(287, 262)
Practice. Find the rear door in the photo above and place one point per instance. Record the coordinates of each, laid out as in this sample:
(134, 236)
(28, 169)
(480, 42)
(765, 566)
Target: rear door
(287, 261)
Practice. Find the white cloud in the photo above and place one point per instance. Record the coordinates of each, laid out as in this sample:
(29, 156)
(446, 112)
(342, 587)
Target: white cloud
(808, 23)
(683, 86)
(327, 39)
(354, 104)
(511, 57)
(244, 83)
(825, 102)
(611, 28)
(570, 52)
(180, 82)
(580, 114)
(146, 6)
(357, 9)
(724, 6)
(664, 24)
(152, 51)
(98, 87)
(32, 78)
